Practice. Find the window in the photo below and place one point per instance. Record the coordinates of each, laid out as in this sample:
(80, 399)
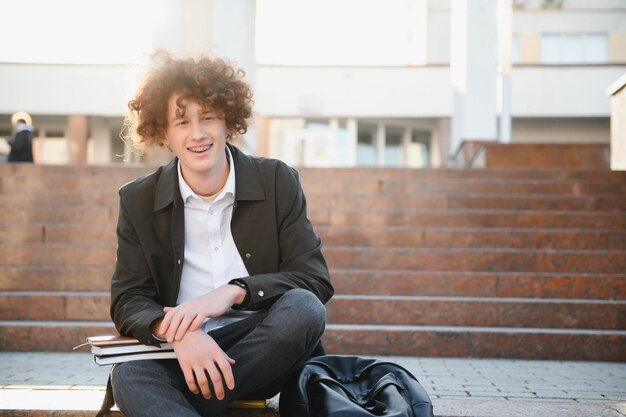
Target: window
(419, 149)
(366, 149)
(574, 49)
(515, 50)
(394, 151)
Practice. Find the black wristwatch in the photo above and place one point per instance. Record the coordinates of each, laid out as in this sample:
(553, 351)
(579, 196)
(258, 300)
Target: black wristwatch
(241, 284)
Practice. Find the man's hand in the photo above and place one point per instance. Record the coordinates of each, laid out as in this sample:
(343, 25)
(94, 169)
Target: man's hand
(198, 356)
(188, 316)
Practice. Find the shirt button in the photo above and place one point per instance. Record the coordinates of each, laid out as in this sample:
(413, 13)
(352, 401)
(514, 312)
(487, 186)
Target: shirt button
(179, 262)
(248, 256)
(261, 293)
(216, 249)
(211, 211)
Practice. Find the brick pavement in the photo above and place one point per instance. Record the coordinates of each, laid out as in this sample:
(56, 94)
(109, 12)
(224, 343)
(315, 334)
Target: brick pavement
(458, 387)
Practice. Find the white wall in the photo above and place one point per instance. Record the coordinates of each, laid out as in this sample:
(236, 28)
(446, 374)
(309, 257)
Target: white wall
(353, 91)
(562, 91)
(66, 89)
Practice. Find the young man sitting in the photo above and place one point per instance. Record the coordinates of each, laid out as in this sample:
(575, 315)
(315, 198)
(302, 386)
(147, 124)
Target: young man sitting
(215, 252)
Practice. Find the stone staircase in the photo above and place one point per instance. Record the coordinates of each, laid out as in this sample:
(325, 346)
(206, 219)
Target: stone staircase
(492, 263)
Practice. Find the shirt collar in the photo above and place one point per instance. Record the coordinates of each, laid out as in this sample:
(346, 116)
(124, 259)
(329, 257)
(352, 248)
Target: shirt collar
(229, 188)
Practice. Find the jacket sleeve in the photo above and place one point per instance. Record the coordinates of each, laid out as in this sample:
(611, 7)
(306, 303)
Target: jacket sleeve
(301, 263)
(133, 291)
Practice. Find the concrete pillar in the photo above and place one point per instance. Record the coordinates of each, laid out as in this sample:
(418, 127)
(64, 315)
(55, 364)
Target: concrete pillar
(473, 71)
(379, 145)
(100, 146)
(263, 136)
(406, 144)
(77, 134)
(353, 131)
(442, 133)
(505, 38)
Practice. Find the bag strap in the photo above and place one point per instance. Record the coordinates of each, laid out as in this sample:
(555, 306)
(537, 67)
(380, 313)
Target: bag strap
(108, 402)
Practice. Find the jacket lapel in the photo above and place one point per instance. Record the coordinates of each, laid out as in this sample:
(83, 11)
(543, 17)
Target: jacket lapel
(168, 195)
(248, 185)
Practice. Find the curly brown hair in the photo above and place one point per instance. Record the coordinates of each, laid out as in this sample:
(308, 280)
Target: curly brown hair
(215, 84)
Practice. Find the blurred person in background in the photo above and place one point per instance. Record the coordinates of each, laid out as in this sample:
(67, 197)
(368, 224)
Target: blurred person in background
(22, 143)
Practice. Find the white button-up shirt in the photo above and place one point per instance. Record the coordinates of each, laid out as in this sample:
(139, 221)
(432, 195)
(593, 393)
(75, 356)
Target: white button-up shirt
(211, 257)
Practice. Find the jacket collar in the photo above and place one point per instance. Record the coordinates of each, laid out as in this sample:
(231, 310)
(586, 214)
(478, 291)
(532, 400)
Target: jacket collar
(248, 185)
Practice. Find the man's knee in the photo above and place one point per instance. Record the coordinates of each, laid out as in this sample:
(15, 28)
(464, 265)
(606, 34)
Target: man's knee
(306, 311)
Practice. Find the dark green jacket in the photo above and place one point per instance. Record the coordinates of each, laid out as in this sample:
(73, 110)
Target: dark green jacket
(269, 225)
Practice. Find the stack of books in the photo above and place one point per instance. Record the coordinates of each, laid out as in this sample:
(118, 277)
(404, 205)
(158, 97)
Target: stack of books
(108, 350)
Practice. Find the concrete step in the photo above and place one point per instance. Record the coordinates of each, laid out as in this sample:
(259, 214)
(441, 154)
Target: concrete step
(414, 259)
(394, 236)
(422, 200)
(363, 309)
(427, 341)
(364, 282)
(105, 215)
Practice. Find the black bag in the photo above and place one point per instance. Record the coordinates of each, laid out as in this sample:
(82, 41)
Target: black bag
(351, 386)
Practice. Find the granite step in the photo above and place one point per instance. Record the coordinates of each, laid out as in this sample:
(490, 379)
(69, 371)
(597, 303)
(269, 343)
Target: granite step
(354, 339)
(422, 200)
(347, 257)
(532, 284)
(484, 218)
(476, 342)
(351, 185)
(133, 170)
(363, 309)
(472, 259)
(473, 237)
(469, 218)
(477, 311)
(393, 236)
(600, 286)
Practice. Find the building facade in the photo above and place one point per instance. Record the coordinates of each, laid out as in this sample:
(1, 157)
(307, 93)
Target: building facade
(398, 83)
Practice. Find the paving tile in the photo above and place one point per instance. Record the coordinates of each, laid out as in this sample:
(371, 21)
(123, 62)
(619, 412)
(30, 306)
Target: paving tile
(552, 394)
(616, 397)
(453, 384)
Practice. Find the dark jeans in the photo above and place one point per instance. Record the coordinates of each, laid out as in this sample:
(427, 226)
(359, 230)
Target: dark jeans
(267, 348)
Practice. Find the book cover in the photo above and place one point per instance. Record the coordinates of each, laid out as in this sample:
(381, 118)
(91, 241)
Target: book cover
(108, 350)
(111, 359)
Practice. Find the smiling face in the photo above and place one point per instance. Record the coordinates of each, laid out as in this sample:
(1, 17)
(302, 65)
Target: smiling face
(198, 139)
